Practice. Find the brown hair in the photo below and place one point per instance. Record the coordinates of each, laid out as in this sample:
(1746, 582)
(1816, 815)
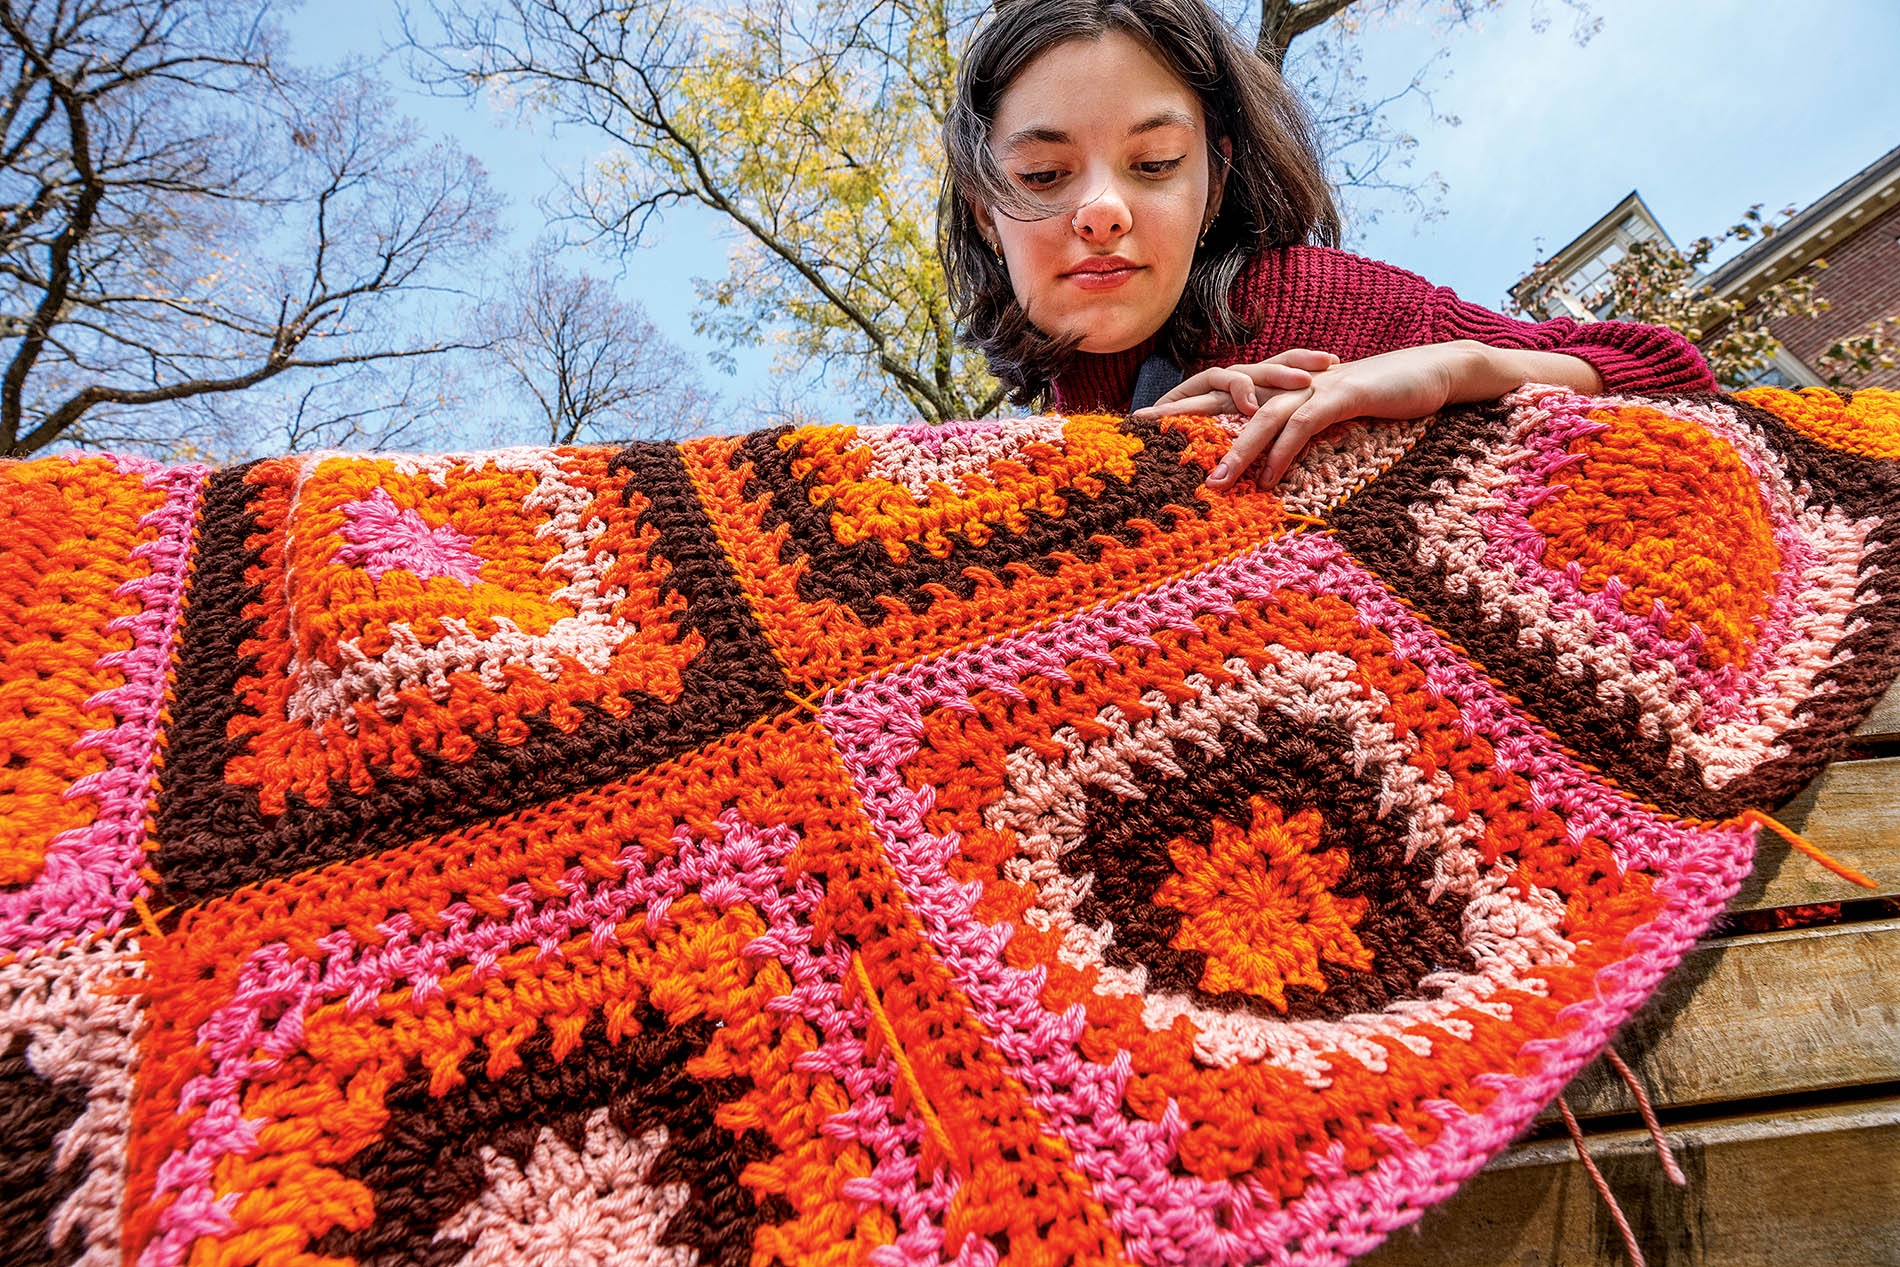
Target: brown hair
(1274, 191)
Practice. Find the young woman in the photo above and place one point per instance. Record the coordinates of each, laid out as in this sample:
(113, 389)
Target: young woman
(1133, 190)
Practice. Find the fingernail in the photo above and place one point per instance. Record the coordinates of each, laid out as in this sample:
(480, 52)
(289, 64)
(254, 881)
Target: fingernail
(1220, 473)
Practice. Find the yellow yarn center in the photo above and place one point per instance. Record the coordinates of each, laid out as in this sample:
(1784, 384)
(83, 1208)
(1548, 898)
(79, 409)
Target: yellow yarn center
(1259, 904)
(1671, 513)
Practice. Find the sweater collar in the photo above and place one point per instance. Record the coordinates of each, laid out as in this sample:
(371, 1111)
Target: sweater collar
(1101, 380)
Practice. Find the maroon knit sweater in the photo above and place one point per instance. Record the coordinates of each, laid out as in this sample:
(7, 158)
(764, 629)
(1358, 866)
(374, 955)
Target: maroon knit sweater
(1334, 301)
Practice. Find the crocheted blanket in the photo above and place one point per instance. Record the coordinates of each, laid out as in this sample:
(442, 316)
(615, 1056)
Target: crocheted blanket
(889, 844)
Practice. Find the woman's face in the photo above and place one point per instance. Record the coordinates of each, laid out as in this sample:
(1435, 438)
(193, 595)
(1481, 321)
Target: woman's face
(1104, 127)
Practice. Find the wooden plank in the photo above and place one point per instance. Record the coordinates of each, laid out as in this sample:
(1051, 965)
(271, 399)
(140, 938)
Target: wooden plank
(1769, 1014)
(1884, 721)
(1852, 812)
(1820, 1186)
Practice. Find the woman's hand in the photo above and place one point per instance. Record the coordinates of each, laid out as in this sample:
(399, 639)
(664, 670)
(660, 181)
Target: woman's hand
(1237, 389)
(1408, 383)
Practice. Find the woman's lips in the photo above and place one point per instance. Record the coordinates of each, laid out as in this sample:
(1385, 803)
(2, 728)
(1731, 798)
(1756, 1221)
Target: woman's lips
(1102, 279)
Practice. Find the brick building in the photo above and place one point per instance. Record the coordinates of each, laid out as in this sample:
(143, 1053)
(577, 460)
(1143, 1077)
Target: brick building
(1855, 227)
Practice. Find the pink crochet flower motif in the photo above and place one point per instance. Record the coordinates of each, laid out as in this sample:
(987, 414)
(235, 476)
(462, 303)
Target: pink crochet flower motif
(385, 537)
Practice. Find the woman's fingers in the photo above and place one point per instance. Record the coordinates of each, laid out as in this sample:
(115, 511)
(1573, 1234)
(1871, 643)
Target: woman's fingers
(1238, 388)
(1280, 377)
(1320, 411)
(1304, 359)
(1229, 386)
(1260, 432)
(1195, 387)
(1205, 403)
(1286, 448)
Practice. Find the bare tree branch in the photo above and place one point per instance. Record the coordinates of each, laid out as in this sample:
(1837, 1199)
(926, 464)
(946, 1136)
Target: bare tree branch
(183, 216)
(593, 367)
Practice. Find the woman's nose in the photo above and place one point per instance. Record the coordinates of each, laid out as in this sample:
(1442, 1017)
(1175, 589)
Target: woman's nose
(1102, 219)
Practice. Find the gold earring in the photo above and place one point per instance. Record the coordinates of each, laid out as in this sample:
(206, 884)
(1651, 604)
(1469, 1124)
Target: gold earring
(998, 248)
(1204, 231)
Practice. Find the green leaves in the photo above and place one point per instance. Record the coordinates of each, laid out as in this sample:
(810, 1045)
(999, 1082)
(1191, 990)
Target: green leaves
(811, 125)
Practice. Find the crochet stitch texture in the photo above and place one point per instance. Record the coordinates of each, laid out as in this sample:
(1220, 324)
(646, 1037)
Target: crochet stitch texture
(887, 845)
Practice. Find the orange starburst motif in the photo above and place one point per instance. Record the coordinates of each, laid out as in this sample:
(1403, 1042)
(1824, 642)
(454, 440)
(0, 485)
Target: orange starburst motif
(1259, 904)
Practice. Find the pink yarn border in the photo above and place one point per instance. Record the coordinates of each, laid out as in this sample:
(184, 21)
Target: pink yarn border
(90, 876)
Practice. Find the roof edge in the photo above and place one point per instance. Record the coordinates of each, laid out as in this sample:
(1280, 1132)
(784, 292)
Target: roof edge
(1807, 225)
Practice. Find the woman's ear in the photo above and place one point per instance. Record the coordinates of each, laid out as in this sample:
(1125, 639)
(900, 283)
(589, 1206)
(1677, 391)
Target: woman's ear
(985, 223)
(1217, 182)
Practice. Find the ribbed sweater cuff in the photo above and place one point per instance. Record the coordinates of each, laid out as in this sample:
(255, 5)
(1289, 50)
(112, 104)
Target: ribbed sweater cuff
(1638, 358)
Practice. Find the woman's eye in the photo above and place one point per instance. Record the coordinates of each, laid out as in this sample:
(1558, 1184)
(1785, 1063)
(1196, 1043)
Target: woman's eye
(1040, 180)
(1158, 166)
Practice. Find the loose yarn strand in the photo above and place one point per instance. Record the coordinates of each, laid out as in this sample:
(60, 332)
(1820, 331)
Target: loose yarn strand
(147, 920)
(1664, 1154)
(1755, 818)
(937, 1139)
(1602, 1185)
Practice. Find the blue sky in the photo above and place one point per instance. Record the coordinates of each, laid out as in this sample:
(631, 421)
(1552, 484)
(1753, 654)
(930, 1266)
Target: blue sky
(1705, 106)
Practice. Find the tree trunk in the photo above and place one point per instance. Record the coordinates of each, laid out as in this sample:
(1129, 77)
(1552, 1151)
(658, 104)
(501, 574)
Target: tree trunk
(1283, 21)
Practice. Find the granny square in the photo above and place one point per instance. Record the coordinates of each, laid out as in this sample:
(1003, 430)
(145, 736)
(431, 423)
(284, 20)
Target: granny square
(380, 648)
